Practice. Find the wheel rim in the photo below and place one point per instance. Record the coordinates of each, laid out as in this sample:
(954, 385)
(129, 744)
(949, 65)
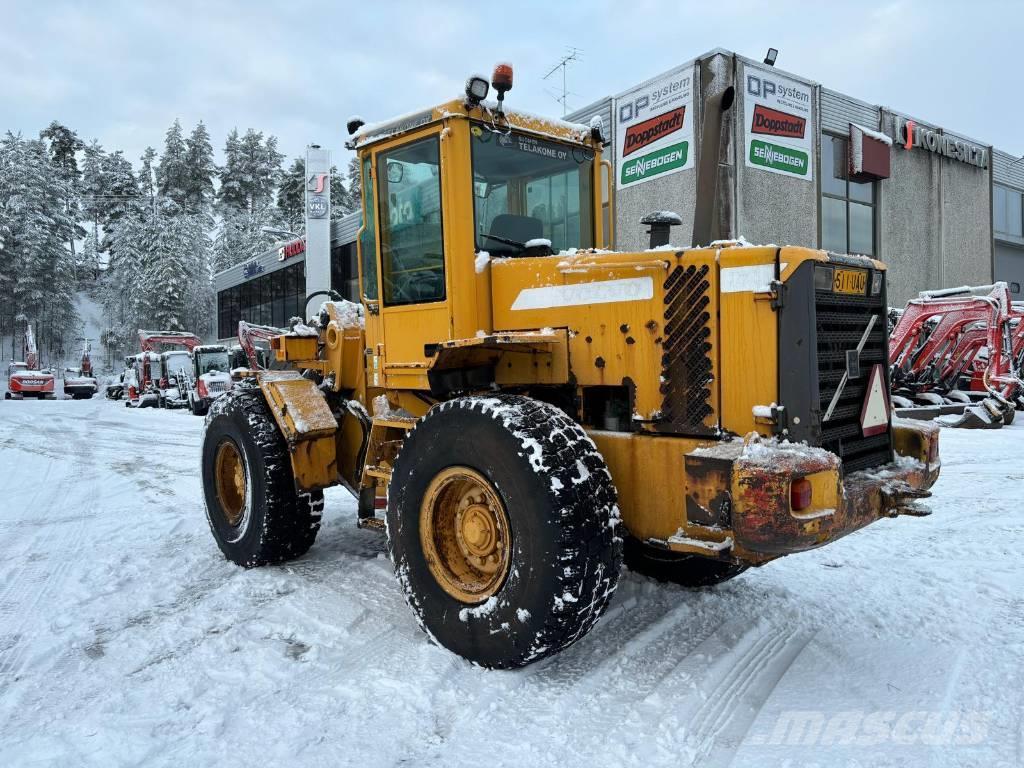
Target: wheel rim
(465, 534)
(229, 476)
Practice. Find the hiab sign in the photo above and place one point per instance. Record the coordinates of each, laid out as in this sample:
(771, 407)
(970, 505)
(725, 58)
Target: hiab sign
(778, 125)
(654, 128)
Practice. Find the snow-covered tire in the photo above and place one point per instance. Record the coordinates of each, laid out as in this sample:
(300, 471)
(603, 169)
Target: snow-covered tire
(686, 570)
(555, 489)
(273, 521)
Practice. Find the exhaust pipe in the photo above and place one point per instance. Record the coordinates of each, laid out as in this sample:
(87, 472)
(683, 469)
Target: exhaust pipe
(705, 223)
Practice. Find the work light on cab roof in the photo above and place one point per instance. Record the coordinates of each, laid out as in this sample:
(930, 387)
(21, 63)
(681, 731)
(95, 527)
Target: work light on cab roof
(502, 81)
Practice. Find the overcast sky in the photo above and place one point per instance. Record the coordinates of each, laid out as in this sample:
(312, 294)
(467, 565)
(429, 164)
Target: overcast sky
(121, 72)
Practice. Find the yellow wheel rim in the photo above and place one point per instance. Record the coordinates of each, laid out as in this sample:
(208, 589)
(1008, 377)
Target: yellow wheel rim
(229, 473)
(465, 534)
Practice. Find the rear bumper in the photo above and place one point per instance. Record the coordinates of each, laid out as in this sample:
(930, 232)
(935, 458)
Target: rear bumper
(763, 523)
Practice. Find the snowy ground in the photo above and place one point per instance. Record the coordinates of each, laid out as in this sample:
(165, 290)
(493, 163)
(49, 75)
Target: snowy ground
(126, 639)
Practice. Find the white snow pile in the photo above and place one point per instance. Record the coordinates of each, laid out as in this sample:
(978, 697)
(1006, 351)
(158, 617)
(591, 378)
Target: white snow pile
(483, 258)
(301, 329)
(349, 313)
(871, 133)
(139, 644)
(763, 411)
(538, 242)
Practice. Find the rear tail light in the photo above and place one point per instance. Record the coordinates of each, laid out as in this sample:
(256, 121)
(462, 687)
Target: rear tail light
(800, 494)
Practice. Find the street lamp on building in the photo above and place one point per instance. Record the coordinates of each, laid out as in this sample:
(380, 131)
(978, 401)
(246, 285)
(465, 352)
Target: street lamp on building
(773, 54)
(279, 232)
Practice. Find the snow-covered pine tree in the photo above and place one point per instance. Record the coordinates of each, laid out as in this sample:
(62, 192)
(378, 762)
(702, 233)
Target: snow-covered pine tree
(147, 178)
(200, 170)
(341, 204)
(63, 145)
(291, 195)
(172, 171)
(355, 189)
(121, 195)
(40, 270)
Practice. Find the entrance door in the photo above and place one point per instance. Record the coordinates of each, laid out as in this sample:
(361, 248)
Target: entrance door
(414, 293)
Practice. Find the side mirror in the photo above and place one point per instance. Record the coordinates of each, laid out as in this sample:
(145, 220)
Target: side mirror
(396, 172)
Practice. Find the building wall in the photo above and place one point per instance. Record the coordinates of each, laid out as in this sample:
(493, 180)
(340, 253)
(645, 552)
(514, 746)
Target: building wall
(676, 192)
(771, 208)
(936, 221)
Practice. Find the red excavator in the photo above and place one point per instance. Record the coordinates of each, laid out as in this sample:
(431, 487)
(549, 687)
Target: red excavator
(26, 379)
(959, 352)
(146, 380)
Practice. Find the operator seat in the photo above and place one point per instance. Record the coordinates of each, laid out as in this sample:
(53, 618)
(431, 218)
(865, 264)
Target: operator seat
(522, 229)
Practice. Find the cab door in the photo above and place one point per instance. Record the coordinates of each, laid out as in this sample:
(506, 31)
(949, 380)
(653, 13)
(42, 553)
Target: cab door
(413, 282)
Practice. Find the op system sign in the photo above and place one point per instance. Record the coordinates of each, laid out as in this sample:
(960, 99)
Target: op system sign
(779, 128)
(654, 128)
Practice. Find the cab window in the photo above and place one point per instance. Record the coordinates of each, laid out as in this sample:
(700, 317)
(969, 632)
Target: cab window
(368, 237)
(526, 188)
(412, 250)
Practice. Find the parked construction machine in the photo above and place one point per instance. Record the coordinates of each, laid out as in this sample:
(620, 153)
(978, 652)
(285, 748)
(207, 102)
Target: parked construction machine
(146, 381)
(207, 378)
(529, 407)
(26, 379)
(958, 352)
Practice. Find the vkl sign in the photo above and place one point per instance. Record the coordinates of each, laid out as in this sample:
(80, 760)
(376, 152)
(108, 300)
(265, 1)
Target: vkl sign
(911, 135)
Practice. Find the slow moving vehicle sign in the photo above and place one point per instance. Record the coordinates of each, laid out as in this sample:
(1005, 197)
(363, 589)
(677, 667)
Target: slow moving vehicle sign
(778, 124)
(654, 128)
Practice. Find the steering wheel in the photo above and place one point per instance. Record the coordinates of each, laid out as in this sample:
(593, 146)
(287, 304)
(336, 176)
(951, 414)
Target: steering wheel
(505, 240)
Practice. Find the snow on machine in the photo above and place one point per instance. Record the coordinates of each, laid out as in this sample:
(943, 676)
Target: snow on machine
(26, 379)
(208, 377)
(146, 383)
(78, 385)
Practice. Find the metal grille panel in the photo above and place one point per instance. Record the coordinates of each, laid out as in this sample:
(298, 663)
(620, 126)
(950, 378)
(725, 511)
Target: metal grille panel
(841, 321)
(686, 360)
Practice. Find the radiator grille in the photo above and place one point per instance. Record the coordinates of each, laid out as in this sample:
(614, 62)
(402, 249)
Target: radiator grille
(686, 361)
(841, 321)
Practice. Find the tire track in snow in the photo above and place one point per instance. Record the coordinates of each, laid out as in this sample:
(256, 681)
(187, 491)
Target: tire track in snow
(735, 685)
(76, 483)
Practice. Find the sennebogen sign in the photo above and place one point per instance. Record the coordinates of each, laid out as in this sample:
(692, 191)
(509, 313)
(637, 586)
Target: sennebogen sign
(911, 135)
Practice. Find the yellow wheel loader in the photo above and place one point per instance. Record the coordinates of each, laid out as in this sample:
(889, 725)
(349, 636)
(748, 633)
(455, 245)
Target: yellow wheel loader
(527, 408)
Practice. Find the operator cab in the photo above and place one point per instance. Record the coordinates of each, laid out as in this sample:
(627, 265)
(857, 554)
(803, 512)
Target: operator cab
(448, 189)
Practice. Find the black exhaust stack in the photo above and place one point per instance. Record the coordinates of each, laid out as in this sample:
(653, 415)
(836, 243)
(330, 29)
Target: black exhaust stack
(705, 222)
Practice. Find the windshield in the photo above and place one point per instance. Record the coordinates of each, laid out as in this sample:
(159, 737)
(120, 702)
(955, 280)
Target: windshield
(213, 361)
(527, 188)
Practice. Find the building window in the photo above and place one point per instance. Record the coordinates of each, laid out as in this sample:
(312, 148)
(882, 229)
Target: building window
(266, 300)
(847, 207)
(345, 271)
(1007, 211)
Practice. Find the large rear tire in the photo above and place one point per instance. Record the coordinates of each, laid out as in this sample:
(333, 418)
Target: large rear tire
(690, 571)
(254, 511)
(502, 526)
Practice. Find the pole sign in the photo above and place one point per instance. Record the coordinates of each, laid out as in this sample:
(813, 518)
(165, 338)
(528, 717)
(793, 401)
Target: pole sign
(910, 135)
(318, 224)
(779, 125)
(654, 129)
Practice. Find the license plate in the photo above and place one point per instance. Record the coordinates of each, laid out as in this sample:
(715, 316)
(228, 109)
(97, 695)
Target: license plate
(850, 281)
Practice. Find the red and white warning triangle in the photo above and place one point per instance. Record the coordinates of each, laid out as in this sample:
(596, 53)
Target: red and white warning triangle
(874, 414)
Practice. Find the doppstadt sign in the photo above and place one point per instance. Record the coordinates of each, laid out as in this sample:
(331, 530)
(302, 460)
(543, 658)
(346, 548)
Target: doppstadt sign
(779, 129)
(911, 135)
(654, 128)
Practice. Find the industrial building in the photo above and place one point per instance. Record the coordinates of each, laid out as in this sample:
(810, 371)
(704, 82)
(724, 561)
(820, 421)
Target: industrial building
(800, 164)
